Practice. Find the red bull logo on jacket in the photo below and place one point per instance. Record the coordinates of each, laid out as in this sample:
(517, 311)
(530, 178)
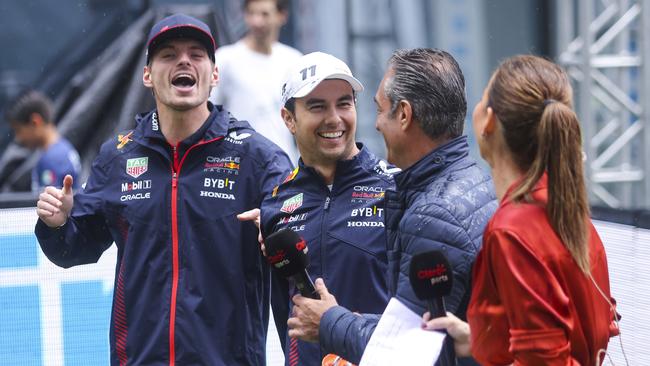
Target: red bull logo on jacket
(228, 164)
(123, 140)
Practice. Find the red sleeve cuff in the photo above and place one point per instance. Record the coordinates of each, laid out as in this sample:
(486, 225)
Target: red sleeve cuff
(540, 347)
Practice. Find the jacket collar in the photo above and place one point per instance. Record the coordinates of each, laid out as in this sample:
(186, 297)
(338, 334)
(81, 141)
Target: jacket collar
(427, 168)
(148, 127)
(346, 170)
(361, 159)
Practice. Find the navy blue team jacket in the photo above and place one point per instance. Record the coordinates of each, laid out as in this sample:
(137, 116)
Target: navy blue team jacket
(191, 285)
(345, 235)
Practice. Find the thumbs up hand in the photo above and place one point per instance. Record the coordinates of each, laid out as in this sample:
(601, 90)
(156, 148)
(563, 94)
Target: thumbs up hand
(54, 205)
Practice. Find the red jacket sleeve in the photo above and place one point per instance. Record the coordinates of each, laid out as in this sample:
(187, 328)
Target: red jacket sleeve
(535, 305)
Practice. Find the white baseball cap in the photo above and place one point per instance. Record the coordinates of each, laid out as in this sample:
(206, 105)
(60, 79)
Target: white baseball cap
(310, 70)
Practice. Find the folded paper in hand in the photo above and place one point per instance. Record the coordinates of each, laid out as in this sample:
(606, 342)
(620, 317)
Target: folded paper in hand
(400, 340)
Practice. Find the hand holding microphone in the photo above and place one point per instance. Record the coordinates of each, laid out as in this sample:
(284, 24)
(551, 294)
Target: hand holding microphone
(431, 277)
(304, 323)
(287, 253)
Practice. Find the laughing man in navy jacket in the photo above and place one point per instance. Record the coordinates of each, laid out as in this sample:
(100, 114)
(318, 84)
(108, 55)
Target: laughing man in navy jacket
(191, 285)
(334, 199)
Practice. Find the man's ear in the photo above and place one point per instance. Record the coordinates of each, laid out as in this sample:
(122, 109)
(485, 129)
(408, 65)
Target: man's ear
(284, 17)
(404, 114)
(146, 77)
(215, 76)
(289, 120)
(36, 120)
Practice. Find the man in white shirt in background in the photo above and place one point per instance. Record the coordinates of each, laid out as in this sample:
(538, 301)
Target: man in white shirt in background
(252, 71)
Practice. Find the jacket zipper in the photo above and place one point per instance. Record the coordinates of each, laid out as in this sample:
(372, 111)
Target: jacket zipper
(172, 308)
(176, 170)
(323, 230)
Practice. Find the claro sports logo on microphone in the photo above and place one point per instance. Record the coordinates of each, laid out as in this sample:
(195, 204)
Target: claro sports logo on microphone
(279, 259)
(435, 275)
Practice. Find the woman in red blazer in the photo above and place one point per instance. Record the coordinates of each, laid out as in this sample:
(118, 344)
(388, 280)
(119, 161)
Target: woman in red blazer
(540, 292)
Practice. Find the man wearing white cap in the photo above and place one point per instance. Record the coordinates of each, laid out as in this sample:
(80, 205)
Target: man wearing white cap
(442, 201)
(334, 199)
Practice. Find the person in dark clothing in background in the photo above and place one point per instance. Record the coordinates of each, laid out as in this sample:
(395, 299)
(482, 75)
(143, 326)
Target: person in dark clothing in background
(31, 118)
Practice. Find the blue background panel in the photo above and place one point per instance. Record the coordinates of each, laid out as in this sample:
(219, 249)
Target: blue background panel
(18, 250)
(20, 326)
(86, 318)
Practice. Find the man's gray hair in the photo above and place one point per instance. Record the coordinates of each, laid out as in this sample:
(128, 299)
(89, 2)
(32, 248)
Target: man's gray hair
(432, 82)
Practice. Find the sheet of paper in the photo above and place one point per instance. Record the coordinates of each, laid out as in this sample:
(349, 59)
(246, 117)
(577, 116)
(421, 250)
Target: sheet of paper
(400, 340)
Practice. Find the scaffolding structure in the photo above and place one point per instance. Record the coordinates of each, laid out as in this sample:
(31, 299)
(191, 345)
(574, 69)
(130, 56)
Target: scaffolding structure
(604, 44)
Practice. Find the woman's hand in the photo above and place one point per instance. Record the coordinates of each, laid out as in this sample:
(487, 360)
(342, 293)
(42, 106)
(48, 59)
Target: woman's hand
(456, 328)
